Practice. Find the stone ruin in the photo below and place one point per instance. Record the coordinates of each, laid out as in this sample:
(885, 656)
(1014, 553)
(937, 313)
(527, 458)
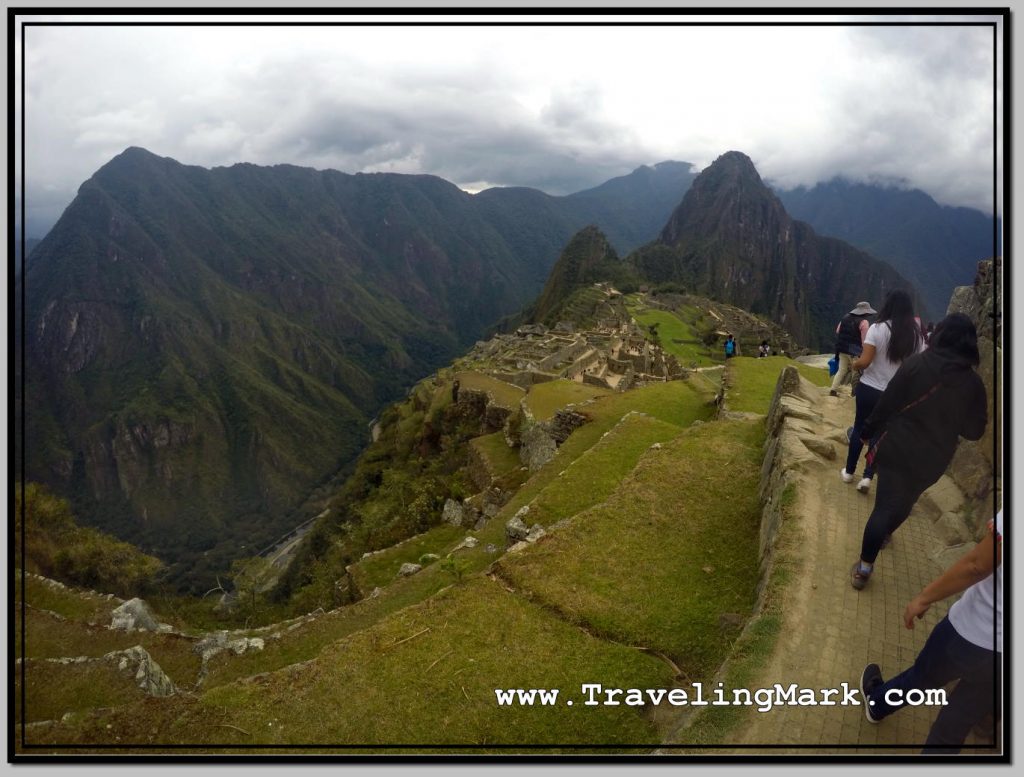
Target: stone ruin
(613, 354)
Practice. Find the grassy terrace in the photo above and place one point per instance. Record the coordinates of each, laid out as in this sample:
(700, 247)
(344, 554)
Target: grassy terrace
(51, 690)
(381, 568)
(678, 336)
(750, 382)
(661, 560)
(425, 675)
(545, 399)
(674, 403)
(500, 458)
(504, 394)
(418, 664)
(594, 475)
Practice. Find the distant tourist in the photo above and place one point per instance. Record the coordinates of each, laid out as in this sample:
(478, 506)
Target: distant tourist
(730, 347)
(928, 333)
(894, 337)
(964, 646)
(935, 398)
(455, 391)
(850, 333)
(764, 350)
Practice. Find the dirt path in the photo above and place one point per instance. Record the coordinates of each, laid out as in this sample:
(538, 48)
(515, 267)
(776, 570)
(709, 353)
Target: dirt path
(831, 630)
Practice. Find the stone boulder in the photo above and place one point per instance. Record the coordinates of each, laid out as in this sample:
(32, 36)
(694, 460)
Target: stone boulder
(135, 614)
(146, 672)
(536, 532)
(407, 569)
(515, 530)
(537, 447)
(453, 512)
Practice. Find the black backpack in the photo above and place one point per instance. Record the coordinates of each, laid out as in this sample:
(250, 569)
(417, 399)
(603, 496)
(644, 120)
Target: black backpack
(848, 338)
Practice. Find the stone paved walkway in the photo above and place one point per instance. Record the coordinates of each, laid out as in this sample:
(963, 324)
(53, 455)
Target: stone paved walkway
(831, 630)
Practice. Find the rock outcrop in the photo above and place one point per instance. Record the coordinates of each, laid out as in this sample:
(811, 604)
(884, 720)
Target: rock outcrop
(976, 465)
(135, 614)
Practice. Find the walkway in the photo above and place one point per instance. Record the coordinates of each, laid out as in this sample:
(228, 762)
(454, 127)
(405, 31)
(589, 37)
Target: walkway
(831, 630)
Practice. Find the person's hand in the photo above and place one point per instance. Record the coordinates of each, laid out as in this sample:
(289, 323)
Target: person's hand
(916, 609)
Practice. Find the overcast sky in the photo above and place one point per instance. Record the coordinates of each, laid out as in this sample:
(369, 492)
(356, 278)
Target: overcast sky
(559, 109)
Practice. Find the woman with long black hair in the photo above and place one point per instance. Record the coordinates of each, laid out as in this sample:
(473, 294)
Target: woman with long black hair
(935, 398)
(891, 339)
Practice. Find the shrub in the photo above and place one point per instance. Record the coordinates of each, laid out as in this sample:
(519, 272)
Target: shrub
(56, 546)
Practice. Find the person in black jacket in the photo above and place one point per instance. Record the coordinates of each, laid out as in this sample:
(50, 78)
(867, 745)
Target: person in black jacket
(934, 398)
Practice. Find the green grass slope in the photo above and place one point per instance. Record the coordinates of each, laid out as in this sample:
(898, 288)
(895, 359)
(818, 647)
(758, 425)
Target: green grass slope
(750, 382)
(671, 551)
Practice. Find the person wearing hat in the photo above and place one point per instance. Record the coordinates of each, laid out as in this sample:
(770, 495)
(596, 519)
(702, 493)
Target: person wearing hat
(850, 334)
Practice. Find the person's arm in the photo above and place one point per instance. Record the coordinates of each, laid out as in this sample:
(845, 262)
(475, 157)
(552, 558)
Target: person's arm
(866, 357)
(973, 567)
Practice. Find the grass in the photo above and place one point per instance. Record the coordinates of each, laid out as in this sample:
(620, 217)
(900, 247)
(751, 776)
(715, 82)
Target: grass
(51, 690)
(675, 547)
(545, 399)
(502, 393)
(47, 637)
(750, 382)
(71, 603)
(424, 676)
(677, 336)
(381, 568)
(499, 457)
(593, 476)
(754, 648)
(674, 402)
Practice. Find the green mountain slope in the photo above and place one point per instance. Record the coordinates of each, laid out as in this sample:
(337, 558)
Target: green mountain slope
(204, 347)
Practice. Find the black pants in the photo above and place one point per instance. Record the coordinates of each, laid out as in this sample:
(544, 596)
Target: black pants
(865, 399)
(894, 498)
(946, 656)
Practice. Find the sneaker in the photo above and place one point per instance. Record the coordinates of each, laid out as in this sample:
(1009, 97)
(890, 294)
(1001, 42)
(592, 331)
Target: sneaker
(870, 679)
(846, 476)
(858, 578)
(864, 486)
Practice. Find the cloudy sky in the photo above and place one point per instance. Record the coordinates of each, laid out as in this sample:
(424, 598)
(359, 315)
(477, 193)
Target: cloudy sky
(556, 108)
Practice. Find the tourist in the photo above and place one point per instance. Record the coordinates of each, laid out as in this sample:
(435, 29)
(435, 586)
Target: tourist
(935, 398)
(966, 645)
(730, 347)
(929, 332)
(850, 333)
(890, 340)
(764, 350)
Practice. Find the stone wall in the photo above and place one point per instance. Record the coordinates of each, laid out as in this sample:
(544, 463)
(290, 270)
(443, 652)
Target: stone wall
(976, 467)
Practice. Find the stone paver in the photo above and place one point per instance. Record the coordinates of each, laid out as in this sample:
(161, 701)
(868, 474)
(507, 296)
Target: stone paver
(831, 630)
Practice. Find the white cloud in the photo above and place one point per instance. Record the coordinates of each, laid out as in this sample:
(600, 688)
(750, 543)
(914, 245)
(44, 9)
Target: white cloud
(556, 108)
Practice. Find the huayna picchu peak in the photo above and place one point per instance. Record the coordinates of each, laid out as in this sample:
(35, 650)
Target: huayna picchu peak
(730, 238)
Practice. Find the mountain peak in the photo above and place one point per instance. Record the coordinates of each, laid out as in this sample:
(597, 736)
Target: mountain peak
(588, 257)
(729, 191)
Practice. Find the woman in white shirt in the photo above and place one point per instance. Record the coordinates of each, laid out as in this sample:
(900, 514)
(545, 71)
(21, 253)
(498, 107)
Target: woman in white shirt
(966, 645)
(895, 336)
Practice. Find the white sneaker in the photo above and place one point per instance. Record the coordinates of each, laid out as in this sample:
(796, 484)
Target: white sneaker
(846, 476)
(864, 486)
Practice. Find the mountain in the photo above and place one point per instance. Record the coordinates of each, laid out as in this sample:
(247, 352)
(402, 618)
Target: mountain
(588, 258)
(731, 239)
(936, 247)
(30, 244)
(633, 208)
(205, 347)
